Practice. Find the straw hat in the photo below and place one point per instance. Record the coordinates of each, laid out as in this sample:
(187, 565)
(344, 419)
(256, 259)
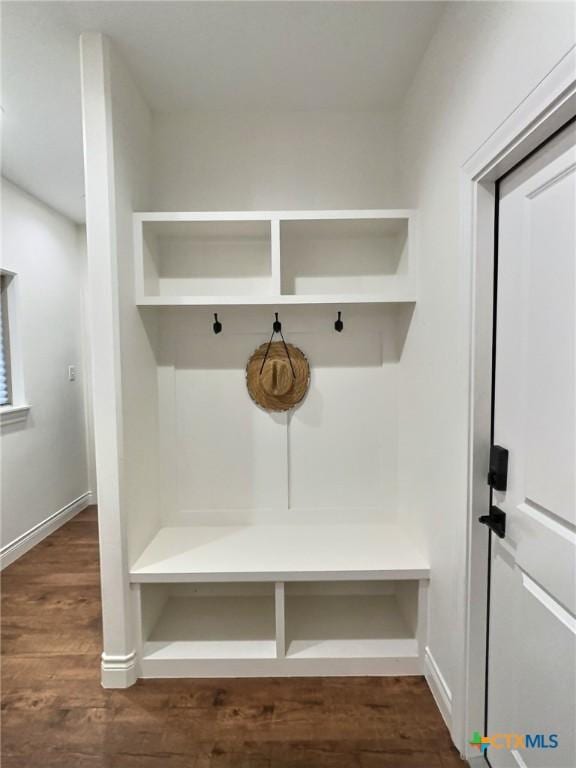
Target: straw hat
(277, 381)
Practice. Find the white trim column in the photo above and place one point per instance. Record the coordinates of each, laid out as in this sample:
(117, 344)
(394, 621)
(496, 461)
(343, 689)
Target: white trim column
(118, 657)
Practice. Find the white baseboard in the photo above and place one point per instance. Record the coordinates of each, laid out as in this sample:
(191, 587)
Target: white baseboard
(440, 690)
(15, 549)
(119, 671)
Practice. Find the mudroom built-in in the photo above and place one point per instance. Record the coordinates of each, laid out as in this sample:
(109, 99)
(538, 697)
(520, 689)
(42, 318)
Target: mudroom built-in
(264, 534)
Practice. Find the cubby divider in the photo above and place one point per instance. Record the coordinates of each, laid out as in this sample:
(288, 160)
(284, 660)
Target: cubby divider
(280, 606)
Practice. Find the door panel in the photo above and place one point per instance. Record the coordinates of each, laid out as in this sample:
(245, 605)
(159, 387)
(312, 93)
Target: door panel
(529, 683)
(549, 353)
(547, 551)
(532, 641)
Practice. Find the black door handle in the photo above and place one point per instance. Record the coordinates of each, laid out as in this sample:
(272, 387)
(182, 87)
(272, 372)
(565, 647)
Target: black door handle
(496, 521)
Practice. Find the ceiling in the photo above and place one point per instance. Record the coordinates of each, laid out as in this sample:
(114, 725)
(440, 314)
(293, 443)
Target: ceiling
(196, 55)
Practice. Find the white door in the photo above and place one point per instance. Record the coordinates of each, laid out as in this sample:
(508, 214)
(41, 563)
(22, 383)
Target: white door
(531, 693)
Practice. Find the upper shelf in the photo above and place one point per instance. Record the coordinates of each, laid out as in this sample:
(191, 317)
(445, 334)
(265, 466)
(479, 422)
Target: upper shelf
(275, 258)
(389, 297)
(280, 553)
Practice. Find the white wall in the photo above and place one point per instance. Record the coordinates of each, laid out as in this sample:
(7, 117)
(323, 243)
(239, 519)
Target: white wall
(483, 60)
(274, 160)
(331, 460)
(87, 367)
(45, 463)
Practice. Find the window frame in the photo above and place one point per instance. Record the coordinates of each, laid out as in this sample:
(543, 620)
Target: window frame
(17, 408)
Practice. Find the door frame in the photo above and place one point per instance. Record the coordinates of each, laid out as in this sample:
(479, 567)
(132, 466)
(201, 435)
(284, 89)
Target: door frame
(543, 112)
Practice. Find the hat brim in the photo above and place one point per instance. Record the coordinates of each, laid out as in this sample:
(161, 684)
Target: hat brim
(297, 392)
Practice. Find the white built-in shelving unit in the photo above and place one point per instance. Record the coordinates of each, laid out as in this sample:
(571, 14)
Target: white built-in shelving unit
(275, 258)
(291, 597)
(236, 541)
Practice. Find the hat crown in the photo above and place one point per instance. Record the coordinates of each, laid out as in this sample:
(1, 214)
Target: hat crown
(277, 378)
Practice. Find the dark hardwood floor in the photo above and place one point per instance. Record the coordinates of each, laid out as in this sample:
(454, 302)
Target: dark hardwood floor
(56, 715)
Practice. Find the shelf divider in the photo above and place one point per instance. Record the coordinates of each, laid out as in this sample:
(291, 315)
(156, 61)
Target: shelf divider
(279, 601)
(275, 255)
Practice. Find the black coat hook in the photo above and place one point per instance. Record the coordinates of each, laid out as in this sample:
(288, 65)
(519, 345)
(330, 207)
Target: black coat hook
(277, 328)
(217, 324)
(339, 325)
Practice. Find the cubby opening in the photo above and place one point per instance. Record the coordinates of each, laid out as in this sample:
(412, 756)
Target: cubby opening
(343, 256)
(208, 621)
(376, 619)
(206, 258)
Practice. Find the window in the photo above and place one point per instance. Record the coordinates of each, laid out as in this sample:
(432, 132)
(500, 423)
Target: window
(13, 406)
(5, 378)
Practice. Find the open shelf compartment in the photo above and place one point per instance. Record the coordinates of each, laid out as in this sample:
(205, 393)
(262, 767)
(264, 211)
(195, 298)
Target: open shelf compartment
(208, 621)
(351, 620)
(339, 257)
(203, 258)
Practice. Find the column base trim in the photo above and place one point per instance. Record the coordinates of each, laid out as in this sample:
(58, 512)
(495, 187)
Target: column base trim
(119, 671)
